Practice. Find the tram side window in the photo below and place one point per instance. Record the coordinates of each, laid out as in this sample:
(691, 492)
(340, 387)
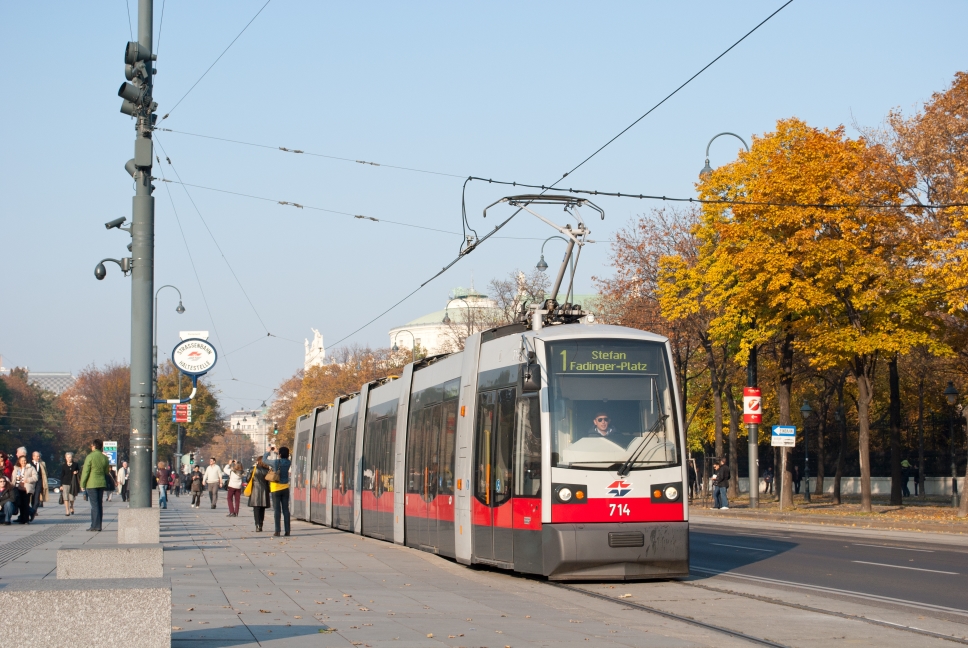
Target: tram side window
(415, 445)
(371, 454)
(390, 439)
(432, 451)
(482, 453)
(344, 459)
(503, 445)
(448, 439)
(527, 448)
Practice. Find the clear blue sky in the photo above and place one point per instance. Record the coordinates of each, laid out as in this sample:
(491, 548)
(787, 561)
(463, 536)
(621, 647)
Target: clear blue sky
(504, 90)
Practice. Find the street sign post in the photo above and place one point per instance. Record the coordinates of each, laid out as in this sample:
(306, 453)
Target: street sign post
(181, 413)
(752, 406)
(111, 450)
(784, 436)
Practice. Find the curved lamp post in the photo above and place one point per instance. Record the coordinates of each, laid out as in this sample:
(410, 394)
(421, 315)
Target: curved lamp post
(753, 429)
(154, 387)
(413, 347)
(951, 395)
(542, 265)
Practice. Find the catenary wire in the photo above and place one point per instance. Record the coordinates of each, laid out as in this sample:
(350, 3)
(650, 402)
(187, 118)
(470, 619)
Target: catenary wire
(309, 153)
(127, 5)
(724, 201)
(289, 203)
(217, 246)
(671, 94)
(161, 26)
(191, 259)
(471, 246)
(216, 60)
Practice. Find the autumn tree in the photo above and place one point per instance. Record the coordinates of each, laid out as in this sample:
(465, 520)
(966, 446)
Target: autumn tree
(29, 416)
(206, 412)
(98, 404)
(827, 256)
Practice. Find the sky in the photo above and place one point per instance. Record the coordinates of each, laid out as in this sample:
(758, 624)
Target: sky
(513, 91)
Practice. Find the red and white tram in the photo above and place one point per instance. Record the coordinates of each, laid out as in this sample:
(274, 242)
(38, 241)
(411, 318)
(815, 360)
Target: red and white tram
(556, 451)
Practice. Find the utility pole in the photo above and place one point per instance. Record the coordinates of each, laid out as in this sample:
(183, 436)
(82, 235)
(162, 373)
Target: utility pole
(138, 103)
(753, 416)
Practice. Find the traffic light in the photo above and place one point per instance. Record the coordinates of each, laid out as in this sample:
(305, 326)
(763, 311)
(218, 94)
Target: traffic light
(137, 93)
(191, 458)
(275, 430)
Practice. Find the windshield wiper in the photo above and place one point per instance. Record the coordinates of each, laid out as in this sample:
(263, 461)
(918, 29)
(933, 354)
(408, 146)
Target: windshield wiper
(653, 431)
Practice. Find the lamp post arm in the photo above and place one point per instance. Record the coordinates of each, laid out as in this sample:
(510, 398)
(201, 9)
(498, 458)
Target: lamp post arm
(720, 135)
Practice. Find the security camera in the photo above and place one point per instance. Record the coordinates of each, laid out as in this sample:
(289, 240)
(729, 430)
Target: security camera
(117, 222)
(100, 271)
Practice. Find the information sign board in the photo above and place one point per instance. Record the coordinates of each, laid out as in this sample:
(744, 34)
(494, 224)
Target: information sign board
(111, 450)
(784, 436)
(181, 413)
(752, 406)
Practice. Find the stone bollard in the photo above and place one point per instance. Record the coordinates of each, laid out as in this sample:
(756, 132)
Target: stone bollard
(111, 561)
(139, 526)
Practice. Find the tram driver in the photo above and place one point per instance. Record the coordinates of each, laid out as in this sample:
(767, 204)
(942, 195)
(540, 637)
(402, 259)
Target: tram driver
(602, 427)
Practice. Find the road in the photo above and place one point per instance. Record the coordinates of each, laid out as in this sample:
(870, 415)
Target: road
(872, 566)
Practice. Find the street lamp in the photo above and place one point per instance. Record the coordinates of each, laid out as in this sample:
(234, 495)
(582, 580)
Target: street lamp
(805, 412)
(706, 170)
(413, 348)
(752, 429)
(154, 379)
(951, 395)
(542, 265)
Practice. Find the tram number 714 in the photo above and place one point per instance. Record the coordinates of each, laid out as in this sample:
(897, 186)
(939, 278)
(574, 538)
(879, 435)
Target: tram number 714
(620, 509)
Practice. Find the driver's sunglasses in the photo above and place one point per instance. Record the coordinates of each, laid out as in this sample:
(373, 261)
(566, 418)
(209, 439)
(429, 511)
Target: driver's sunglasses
(601, 418)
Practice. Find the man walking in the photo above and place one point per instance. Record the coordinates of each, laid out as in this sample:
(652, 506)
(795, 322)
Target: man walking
(163, 475)
(123, 474)
(720, 484)
(213, 480)
(94, 480)
(41, 490)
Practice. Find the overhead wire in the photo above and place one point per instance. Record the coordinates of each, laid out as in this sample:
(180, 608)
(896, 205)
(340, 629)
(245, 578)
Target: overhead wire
(191, 260)
(471, 246)
(127, 5)
(726, 201)
(285, 149)
(177, 103)
(160, 27)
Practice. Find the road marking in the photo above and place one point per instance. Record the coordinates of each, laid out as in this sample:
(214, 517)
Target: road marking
(858, 544)
(739, 547)
(935, 571)
(832, 590)
(761, 535)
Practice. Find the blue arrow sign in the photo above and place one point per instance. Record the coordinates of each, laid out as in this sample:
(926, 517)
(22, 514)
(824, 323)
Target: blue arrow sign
(784, 430)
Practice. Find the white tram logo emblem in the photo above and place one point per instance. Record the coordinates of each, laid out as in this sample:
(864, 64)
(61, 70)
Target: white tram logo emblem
(619, 488)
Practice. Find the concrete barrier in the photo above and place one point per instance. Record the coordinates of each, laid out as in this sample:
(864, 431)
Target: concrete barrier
(111, 561)
(139, 526)
(68, 613)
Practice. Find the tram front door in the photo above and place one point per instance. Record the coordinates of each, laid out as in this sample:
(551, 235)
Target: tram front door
(493, 536)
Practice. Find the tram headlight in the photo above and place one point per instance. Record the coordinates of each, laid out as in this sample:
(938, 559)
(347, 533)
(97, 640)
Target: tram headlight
(671, 492)
(564, 494)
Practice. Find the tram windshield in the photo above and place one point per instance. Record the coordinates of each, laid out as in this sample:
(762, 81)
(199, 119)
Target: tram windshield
(611, 405)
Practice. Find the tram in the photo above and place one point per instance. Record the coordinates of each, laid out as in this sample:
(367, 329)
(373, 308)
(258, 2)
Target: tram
(552, 446)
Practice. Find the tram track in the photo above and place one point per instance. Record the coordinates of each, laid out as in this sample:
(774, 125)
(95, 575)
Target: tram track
(671, 615)
(840, 615)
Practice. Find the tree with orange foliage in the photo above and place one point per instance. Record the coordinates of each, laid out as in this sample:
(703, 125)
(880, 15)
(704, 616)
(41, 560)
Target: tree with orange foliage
(98, 405)
(842, 283)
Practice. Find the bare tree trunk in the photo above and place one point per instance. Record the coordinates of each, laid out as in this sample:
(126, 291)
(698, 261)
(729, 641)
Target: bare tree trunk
(821, 454)
(894, 412)
(783, 396)
(733, 462)
(863, 370)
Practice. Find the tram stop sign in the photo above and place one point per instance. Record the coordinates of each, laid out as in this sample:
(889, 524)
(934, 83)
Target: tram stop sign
(194, 356)
(752, 406)
(784, 436)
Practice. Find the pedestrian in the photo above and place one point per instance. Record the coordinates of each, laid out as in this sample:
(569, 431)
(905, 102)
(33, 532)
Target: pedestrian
(172, 481)
(7, 465)
(258, 492)
(124, 474)
(235, 489)
(70, 476)
(278, 479)
(692, 481)
(768, 480)
(42, 489)
(163, 475)
(196, 487)
(109, 490)
(796, 480)
(905, 477)
(8, 500)
(25, 481)
(94, 480)
(720, 484)
(213, 480)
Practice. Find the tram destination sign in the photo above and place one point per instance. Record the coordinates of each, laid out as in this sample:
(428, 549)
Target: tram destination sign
(194, 356)
(601, 359)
